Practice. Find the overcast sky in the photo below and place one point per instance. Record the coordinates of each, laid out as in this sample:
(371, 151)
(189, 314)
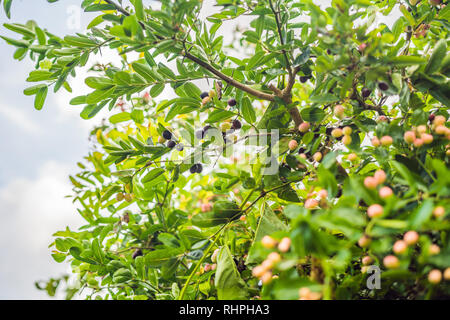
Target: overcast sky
(39, 149)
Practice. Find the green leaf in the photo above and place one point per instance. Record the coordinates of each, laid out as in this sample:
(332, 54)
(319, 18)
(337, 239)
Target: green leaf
(160, 256)
(228, 281)
(268, 224)
(440, 50)
(422, 214)
(41, 95)
(155, 173)
(312, 114)
(247, 110)
(120, 117)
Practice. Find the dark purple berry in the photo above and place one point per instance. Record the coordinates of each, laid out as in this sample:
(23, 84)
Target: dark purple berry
(236, 125)
(204, 95)
(303, 79)
(196, 168)
(431, 117)
(167, 135)
(383, 86)
(365, 92)
(232, 102)
(171, 144)
(137, 253)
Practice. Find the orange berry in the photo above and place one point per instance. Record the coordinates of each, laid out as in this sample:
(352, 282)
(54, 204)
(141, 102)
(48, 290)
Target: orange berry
(258, 271)
(391, 262)
(434, 249)
(439, 120)
(274, 257)
(435, 276)
(268, 242)
(440, 129)
(411, 237)
(386, 141)
(285, 244)
(364, 241)
(380, 176)
(339, 111)
(418, 142)
(421, 129)
(375, 211)
(266, 277)
(400, 247)
(409, 136)
(267, 264)
(293, 145)
(347, 131)
(439, 211)
(323, 194)
(447, 274)
(352, 157)
(304, 292)
(346, 140)
(304, 127)
(370, 183)
(385, 192)
(311, 203)
(337, 133)
(366, 260)
(427, 138)
(317, 156)
(376, 142)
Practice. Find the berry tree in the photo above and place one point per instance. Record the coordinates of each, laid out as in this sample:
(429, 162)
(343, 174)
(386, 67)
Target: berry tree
(358, 109)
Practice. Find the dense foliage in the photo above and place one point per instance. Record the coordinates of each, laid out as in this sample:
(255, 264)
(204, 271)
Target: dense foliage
(359, 110)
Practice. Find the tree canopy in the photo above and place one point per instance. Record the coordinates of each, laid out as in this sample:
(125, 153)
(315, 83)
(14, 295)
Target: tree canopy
(178, 192)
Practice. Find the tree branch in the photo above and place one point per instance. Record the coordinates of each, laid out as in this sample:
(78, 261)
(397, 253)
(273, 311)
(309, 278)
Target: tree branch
(280, 34)
(118, 7)
(229, 80)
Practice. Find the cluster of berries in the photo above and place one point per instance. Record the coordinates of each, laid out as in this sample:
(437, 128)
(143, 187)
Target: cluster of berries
(264, 270)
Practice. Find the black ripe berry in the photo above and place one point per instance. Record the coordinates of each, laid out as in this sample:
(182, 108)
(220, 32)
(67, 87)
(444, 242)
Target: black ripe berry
(171, 144)
(204, 95)
(137, 253)
(236, 125)
(196, 168)
(365, 92)
(179, 147)
(383, 86)
(431, 117)
(328, 131)
(232, 102)
(167, 135)
(303, 79)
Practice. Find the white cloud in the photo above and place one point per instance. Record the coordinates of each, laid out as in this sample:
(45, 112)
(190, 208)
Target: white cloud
(30, 212)
(20, 118)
